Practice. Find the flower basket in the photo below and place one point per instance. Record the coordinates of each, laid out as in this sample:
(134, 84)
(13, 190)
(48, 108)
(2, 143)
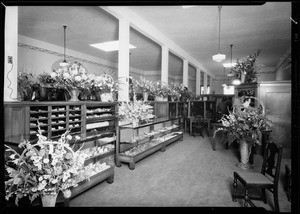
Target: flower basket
(245, 124)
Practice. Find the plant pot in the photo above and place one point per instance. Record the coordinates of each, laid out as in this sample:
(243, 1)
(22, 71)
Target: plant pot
(74, 95)
(98, 95)
(135, 123)
(160, 98)
(145, 95)
(107, 97)
(243, 76)
(49, 200)
(245, 151)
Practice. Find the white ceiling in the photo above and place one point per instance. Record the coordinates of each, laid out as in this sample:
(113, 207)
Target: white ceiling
(195, 30)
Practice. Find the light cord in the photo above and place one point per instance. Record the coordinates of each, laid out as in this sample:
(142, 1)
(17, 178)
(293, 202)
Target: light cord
(11, 89)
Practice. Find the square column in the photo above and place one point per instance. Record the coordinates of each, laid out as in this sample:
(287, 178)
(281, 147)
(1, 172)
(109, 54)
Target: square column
(198, 81)
(185, 72)
(205, 83)
(165, 64)
(11, 50)
(123, 60)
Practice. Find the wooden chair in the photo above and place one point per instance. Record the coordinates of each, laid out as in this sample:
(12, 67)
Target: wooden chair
(197, 126)
(268, 178)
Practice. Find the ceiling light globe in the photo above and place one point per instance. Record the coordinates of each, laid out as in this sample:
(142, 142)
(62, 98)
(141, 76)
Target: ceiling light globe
(236, 82)
(219, 57)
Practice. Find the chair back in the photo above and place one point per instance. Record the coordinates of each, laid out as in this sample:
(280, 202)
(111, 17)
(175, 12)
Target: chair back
(198, 121)
(272, 161)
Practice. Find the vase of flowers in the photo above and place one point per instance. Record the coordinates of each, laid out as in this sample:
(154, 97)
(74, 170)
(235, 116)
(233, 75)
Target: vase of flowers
(144, 86)
(71, 77)
(175, 89)
(135, 111)
(160, 90)
(43, 169)
(246, 68)
(103, 86)
(245, 124)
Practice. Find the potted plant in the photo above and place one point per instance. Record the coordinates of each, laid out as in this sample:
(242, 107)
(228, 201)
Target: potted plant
(25, 83)
(72, 77)
(160, 91)
(103, 86)
(43, 169)
(246, 68)
(145, 86)
(136, 111)
(245, 125)
(175, 89)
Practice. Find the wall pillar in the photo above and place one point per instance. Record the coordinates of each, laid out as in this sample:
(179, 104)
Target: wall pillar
(123, 60)
(185, 73)
(205, 83)
(11, 50)
(165, 64)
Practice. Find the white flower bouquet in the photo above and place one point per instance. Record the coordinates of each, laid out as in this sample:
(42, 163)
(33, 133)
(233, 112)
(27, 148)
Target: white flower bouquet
(46, 167)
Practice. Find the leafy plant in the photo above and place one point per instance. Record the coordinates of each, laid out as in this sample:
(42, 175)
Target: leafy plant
(25, 83)
(143, 84)
(45, 79)
(248, 66)
(160, 89)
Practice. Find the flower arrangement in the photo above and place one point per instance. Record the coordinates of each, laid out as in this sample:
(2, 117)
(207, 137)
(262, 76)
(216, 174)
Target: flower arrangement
(45, 79)
(25, 83)
(71, 76)
(103, 83)
(247, 66)
(175, 89)
(137, 110)
(245, 122)
(160, 89)
(45, 167)
(143, 84)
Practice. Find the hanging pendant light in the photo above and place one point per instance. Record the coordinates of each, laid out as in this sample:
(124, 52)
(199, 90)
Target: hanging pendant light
(219, 57)
(230, 74)
(64, 63)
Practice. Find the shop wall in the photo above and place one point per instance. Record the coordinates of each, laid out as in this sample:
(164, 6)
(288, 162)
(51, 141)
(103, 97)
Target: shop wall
(37, 57)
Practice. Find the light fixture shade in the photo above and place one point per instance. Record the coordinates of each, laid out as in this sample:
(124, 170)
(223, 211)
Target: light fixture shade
(63, 64)
(236, 82)
(219, 57)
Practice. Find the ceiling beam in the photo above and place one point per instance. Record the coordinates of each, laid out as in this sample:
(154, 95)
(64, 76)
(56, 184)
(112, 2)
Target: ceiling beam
(140, 24)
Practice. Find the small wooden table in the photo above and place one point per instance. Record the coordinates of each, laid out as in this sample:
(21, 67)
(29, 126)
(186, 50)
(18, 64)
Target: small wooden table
(191, 120)
(215, 126)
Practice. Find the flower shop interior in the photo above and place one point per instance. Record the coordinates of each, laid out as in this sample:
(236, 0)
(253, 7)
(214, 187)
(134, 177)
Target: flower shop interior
(150, 106)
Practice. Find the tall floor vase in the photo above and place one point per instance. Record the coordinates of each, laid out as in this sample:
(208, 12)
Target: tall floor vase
(74, 93)
(245, 151)
(49, 200)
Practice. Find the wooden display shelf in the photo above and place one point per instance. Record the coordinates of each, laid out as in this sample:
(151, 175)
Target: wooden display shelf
(107, 174)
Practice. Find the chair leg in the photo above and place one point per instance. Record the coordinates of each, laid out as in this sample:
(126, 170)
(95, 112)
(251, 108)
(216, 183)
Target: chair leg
(246, 198)
(234, 188)
(276, 202)
(264, 196)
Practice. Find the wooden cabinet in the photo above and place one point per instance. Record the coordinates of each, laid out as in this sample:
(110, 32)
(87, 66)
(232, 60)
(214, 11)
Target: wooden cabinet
(277, 99)
(145, 139)
(94, 122)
